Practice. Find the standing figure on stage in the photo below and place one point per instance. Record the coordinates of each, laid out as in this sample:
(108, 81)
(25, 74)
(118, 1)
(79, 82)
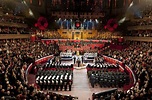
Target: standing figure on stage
(74, 59)
(78, 61)
(60, 60)
(82, 59)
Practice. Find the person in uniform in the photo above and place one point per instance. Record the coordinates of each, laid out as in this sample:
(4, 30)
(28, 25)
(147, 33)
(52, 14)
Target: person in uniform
(61, 82)
(78, 61)
(92, 80)
(57, 83)
(74, 59)
(82, 59)
(70, 82)
(53, 82)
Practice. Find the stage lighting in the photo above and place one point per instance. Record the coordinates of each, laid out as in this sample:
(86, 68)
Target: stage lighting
(30, 12)
(131, 4)
(122, 20)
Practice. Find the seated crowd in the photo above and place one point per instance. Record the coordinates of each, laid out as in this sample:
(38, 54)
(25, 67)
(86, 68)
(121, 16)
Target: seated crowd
(144, 33)
(137, 58)
(14, 30)
(52, 35)
(147, 8)
(11, 25)
(15, 56)
(77, 43)
(11, 19)
(143, 23)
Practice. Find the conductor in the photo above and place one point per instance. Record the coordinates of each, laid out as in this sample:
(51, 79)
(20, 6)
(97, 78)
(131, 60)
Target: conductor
(78, 61)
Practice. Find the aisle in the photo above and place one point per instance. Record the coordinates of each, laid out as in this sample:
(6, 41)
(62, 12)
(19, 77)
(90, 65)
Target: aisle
(81, 87)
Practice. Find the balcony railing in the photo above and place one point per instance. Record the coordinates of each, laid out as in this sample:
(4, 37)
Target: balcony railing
(10, 24)
(144, 27)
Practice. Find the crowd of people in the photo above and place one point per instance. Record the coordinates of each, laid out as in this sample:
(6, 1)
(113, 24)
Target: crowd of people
(137, 57)
(143, 33)
(10, 24)
(142, 23)
(13, 30)
(50, 34)
(146, 9)
(15, 56)
(11, 19)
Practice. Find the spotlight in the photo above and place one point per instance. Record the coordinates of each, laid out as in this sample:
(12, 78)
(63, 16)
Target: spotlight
(131, 4)
(122, 20)
(30, 12)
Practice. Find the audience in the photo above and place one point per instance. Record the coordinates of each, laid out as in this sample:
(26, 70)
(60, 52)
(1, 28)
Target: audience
(15, 56)
(140, 26)
(137, 58)
(11, 19)
(14, 30)
(144, 33)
